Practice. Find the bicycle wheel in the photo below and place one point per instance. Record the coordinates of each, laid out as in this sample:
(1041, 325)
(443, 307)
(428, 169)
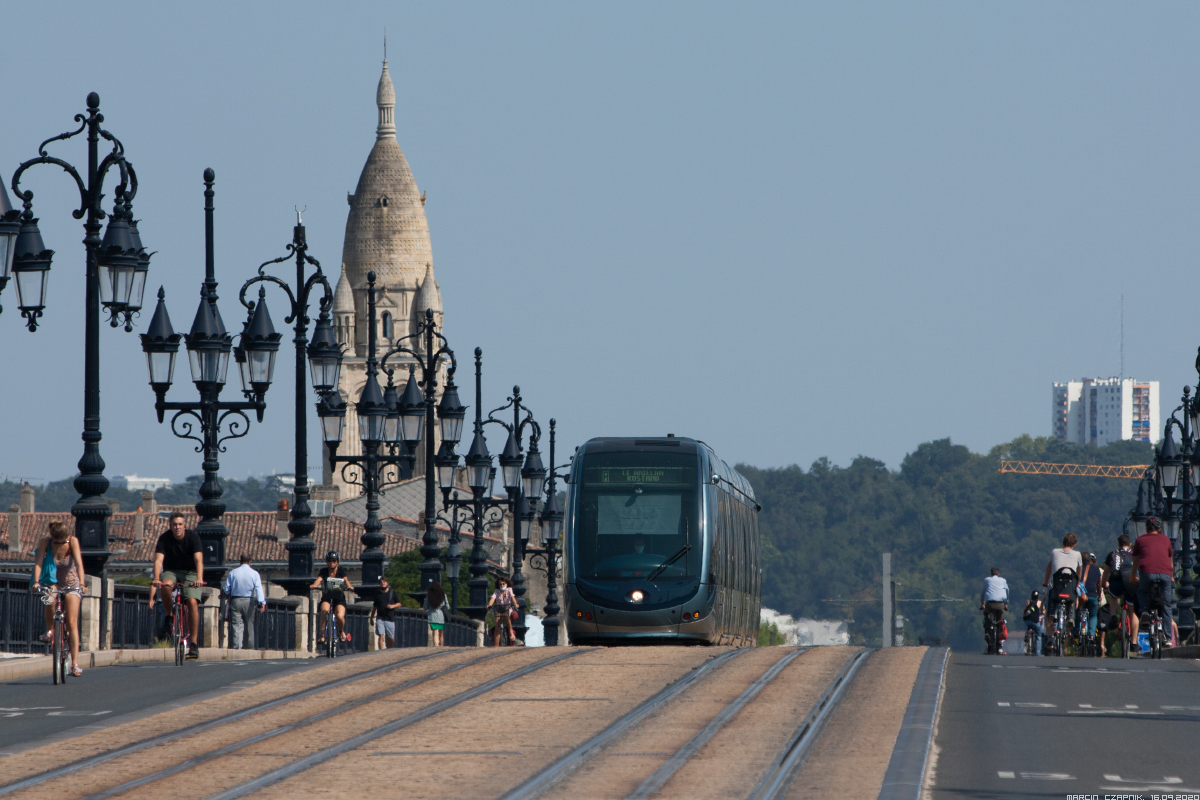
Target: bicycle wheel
(1125, 631)
(64, 649)
(177, 636)
(56, 655)
(330, 632)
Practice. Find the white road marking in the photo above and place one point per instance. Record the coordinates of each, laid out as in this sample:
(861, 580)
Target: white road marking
(77, 713)
(1166, 781)
(1007, 774)
(1180, 708)
(12, 714)
(1036, 705)
(1004, 705)
(30, 708)
(1047, 776)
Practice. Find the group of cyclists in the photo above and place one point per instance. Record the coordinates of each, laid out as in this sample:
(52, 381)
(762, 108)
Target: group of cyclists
(58, 572)
(1083, 599)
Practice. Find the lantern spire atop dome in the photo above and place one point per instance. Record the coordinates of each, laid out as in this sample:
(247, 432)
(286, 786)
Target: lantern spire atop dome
(385, 99)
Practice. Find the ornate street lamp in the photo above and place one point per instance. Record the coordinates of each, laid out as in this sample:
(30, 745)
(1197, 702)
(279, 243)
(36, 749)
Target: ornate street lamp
(25, 258)
(516, 472)
(209, 346)
(324, 356)
(546, 558)
(397, 426)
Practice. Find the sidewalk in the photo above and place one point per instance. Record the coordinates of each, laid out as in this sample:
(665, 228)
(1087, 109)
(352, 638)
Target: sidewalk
(16, 668)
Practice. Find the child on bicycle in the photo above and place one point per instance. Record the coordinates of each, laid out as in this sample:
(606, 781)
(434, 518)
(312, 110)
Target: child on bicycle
(506, 603)
(60, 562)
(1033, 620)
(334, 585)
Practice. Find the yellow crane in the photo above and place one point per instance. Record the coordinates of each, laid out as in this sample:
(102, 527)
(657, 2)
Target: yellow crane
(1135, 471)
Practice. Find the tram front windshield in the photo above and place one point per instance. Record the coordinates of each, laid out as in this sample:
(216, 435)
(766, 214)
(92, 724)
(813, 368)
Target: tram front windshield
(637, 516)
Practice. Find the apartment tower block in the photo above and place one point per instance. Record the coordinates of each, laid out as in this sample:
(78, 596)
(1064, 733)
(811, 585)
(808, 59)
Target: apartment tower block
(1102, 410)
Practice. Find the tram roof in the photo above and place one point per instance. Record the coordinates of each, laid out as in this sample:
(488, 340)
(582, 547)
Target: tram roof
(685, 444)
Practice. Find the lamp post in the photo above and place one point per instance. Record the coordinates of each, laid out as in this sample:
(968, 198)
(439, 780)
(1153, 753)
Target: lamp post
(114, 272)
(546, 558)
(324, 357)
(460, 512)
(523, 482)
(482, 506)
(209, 346)
(399, 425)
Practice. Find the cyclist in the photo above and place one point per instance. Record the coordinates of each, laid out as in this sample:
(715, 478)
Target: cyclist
(1090, 594)
(334, 585)
(505, 602)
(1033, 620)
(993, 600)
(1153, 563)
(179, 558)
(60, 562)
(1117, 580)
(1065, 565)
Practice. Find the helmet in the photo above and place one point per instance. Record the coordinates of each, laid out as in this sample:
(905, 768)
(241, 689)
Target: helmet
(332, 555)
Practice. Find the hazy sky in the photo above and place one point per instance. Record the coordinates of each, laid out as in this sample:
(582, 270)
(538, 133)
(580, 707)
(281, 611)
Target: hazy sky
(791, 230)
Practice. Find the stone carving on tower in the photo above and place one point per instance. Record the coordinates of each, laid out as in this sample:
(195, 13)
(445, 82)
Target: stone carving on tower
(386, 231)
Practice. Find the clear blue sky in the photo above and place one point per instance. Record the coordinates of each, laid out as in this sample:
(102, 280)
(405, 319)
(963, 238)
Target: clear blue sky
(792, 230)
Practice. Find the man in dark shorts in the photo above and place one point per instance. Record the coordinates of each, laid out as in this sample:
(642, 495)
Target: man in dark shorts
(1153, 563)
(179, 558)
(386, 602)
(1117, 564)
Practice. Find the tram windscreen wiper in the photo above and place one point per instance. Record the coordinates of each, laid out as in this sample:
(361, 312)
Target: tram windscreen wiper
(678, 555)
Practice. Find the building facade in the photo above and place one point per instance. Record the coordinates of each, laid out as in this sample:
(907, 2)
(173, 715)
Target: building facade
(1101, 410)
(386, 232)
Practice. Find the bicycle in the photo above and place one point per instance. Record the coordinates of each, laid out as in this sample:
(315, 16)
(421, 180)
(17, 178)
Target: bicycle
(331, 637)
(1031, 636)
(61, 651)
(179, 624)
(498, 632)
(1153, 622)
(991, 633)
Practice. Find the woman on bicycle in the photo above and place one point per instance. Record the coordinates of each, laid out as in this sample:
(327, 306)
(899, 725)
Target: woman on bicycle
(435, 603)
(506, 604)
(60, 561)
(334, 585)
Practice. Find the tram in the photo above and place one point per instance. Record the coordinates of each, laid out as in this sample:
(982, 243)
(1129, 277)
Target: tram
(661, 545)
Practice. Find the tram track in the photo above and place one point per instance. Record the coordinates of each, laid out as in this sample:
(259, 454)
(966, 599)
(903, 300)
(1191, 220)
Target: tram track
(191, 730)
(207, 756)
(321, 756)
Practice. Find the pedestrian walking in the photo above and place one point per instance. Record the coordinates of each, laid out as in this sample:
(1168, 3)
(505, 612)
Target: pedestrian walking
(386, 603)
(435, 603)
(243, 587)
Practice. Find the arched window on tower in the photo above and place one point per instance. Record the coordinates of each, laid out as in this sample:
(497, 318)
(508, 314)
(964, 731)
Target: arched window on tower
(387, 325)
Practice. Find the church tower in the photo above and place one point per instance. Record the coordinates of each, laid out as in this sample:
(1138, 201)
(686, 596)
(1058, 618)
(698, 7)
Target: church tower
(386, 231)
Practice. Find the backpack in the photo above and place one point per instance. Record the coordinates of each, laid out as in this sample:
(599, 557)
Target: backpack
(1105, 620)
(1032, 614)
(1124, 566)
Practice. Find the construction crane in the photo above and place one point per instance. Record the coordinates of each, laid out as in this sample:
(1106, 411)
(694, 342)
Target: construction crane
(1135, 471)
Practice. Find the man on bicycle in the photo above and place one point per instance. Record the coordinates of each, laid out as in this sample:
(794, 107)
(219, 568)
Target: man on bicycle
(1117, 577)
(1153, 563)
(1033, 621)
(179, 558)
(1065, 566)
(993, 600)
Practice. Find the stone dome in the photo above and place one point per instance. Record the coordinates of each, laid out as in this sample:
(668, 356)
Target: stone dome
(386, 229)
(428, 296)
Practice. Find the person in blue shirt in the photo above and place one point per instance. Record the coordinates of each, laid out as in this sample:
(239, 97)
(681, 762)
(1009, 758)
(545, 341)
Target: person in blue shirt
(244, 590)
(993, 600)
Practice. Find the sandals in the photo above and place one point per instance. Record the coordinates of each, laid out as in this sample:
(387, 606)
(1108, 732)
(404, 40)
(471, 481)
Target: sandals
(77, 671)
(47, 637)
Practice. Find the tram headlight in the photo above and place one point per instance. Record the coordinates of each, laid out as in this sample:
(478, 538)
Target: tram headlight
(637, 596)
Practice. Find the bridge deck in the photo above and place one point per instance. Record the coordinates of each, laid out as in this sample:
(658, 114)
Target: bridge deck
(667, 722)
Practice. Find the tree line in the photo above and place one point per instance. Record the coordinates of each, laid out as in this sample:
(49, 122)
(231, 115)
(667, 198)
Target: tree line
(947, 516)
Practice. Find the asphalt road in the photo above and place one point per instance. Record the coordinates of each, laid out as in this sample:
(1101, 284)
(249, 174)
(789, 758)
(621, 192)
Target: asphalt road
(1018, 726)
(32, 709)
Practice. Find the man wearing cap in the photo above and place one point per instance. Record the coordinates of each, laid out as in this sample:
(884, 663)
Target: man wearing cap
(243, 587)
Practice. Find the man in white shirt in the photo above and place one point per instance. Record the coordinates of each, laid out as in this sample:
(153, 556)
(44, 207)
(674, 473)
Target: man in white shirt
(993, 600)
(243, 587)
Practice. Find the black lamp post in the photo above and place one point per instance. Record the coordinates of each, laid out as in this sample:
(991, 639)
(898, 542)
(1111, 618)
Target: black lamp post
(398, 425)
(324, 356)
(546, 558)
(460, 512)
(115, 270)
(523, 481)
(209, 346)
(484, 510)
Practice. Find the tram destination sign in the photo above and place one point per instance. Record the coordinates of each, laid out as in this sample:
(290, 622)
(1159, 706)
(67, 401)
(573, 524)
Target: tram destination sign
(654, 476)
